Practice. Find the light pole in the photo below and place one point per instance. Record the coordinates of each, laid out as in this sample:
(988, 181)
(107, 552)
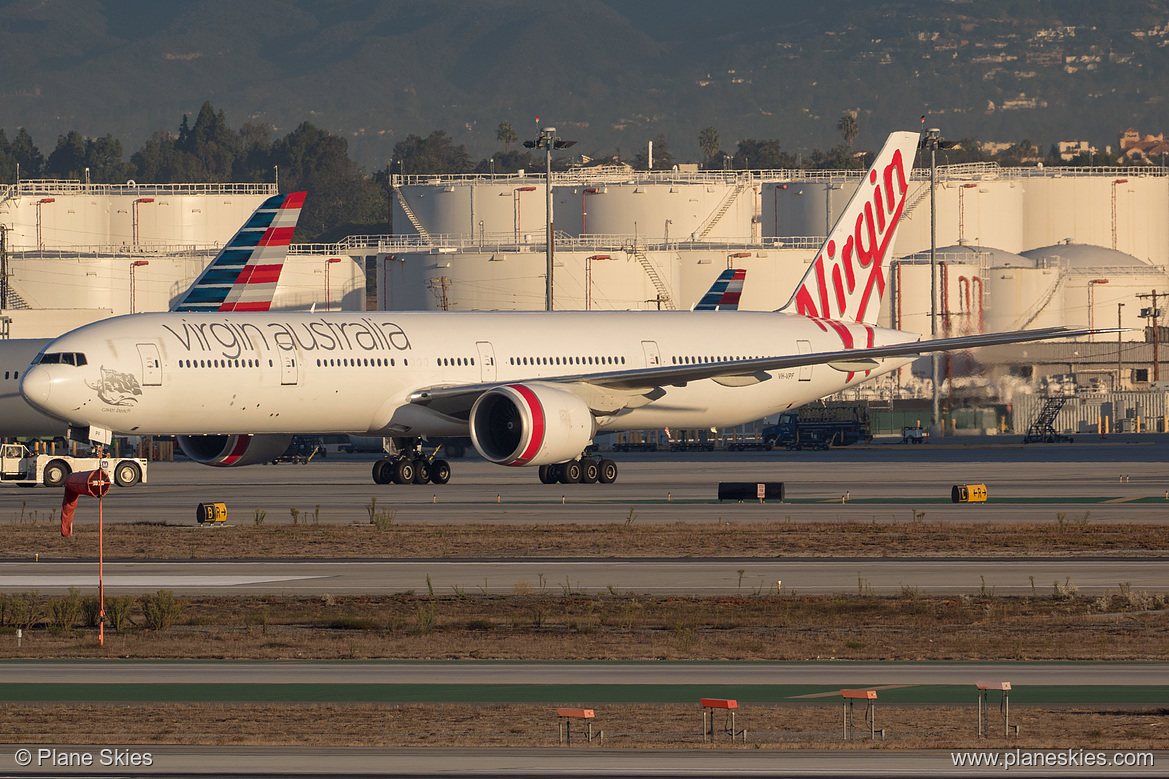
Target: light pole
(548, 141)
(933, 141)
(1118, 346)
(133, 265)
(1091, 306)
(328, 300)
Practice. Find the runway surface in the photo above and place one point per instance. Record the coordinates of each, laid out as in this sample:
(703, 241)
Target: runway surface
(655, 577)
(237, 761)
(1026, 483)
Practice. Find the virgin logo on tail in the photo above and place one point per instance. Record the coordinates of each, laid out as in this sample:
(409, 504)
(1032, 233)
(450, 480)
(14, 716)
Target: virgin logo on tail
(850, 269)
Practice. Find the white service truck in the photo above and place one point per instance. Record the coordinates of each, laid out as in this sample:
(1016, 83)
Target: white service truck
(19, 465)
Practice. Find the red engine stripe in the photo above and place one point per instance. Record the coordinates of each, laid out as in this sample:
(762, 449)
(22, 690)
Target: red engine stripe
(537, 437)
(237, 451)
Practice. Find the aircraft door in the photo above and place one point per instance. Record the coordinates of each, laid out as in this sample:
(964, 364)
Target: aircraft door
(653, 358)
(288, 370)
(151, 365)
(805, 347)
(486, 360)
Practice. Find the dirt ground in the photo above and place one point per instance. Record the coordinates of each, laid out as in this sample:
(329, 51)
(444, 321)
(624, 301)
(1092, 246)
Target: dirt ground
(530, 625)
(630, 538)
(810, 726)
(1123, 625)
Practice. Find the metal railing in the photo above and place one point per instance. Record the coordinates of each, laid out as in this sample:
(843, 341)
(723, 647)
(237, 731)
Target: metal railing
(31, 187)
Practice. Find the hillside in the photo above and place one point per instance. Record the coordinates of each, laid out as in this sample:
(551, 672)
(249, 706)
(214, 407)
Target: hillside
(611, 75)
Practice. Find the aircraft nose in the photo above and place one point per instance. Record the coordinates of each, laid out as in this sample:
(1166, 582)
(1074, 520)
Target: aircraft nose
(35, 386)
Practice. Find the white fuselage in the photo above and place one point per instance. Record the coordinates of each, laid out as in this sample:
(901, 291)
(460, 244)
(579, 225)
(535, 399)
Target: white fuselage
(17, 418)
(193, 374)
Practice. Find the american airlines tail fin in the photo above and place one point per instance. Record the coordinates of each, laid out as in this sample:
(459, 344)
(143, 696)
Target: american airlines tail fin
(847, 279)
(243, 276)
(724, 294)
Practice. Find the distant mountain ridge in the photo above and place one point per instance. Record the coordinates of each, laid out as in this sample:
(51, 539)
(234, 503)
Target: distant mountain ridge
(610, 74)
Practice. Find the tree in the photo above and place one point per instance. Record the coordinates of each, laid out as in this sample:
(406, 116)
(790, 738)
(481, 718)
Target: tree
(67, 161)
(663, 158)
(211, 142)
(435, 154)
(342, 200)
(102, 157)
(762, 155)
(836, 158)
(7, 161)
(848, 128)
(27, 155)
(254, 161)
(506, 135)
(709, 142)
(508, 162)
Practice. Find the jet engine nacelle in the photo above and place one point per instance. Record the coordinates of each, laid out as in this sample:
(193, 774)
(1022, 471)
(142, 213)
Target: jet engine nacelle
(227, 451)
(530, 424)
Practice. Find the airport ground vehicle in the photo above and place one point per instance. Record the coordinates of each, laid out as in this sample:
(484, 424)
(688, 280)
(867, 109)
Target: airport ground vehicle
(819, 427)
(19, 465)
(913, 435)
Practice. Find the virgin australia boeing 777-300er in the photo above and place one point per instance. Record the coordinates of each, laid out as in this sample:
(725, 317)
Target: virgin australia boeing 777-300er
(530, 388)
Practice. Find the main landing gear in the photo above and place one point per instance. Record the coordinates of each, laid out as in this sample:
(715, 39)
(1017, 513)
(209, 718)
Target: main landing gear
(411, 466)
(586, 470)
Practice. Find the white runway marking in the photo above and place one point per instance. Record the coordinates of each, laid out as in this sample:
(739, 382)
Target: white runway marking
(162, 582)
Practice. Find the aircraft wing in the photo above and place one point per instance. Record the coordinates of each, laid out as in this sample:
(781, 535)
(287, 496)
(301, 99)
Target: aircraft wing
(604, 390)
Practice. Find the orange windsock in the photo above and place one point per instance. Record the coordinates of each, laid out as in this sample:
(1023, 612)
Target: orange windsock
(94, 483)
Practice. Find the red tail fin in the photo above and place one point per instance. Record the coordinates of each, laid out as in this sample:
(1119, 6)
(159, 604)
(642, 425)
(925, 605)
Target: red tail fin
(847, 278)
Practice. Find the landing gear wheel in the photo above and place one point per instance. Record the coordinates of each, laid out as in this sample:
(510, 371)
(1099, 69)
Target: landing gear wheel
(421, 471)
(402, 472)
(608, 472)
(127, 474)
(570, 472)
(382, 472)
(546, 475)
(440, 472)
(590, 471)
(56, 472)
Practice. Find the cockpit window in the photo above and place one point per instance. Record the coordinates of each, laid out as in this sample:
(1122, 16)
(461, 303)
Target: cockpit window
(68, 358)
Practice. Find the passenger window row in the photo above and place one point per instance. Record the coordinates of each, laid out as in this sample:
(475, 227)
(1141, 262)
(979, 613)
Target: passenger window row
(566, 360)
(696, 360)
(359, 362)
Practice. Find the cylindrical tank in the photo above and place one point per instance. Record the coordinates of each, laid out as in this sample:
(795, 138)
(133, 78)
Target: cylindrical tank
(1124, 211)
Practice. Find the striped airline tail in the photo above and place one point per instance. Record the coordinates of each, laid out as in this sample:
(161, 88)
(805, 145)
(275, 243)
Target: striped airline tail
(724, 294)
(243, 276)
(847, 279)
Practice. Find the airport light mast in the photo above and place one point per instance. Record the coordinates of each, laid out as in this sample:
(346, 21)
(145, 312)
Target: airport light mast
(932, 140)
(548, 141)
